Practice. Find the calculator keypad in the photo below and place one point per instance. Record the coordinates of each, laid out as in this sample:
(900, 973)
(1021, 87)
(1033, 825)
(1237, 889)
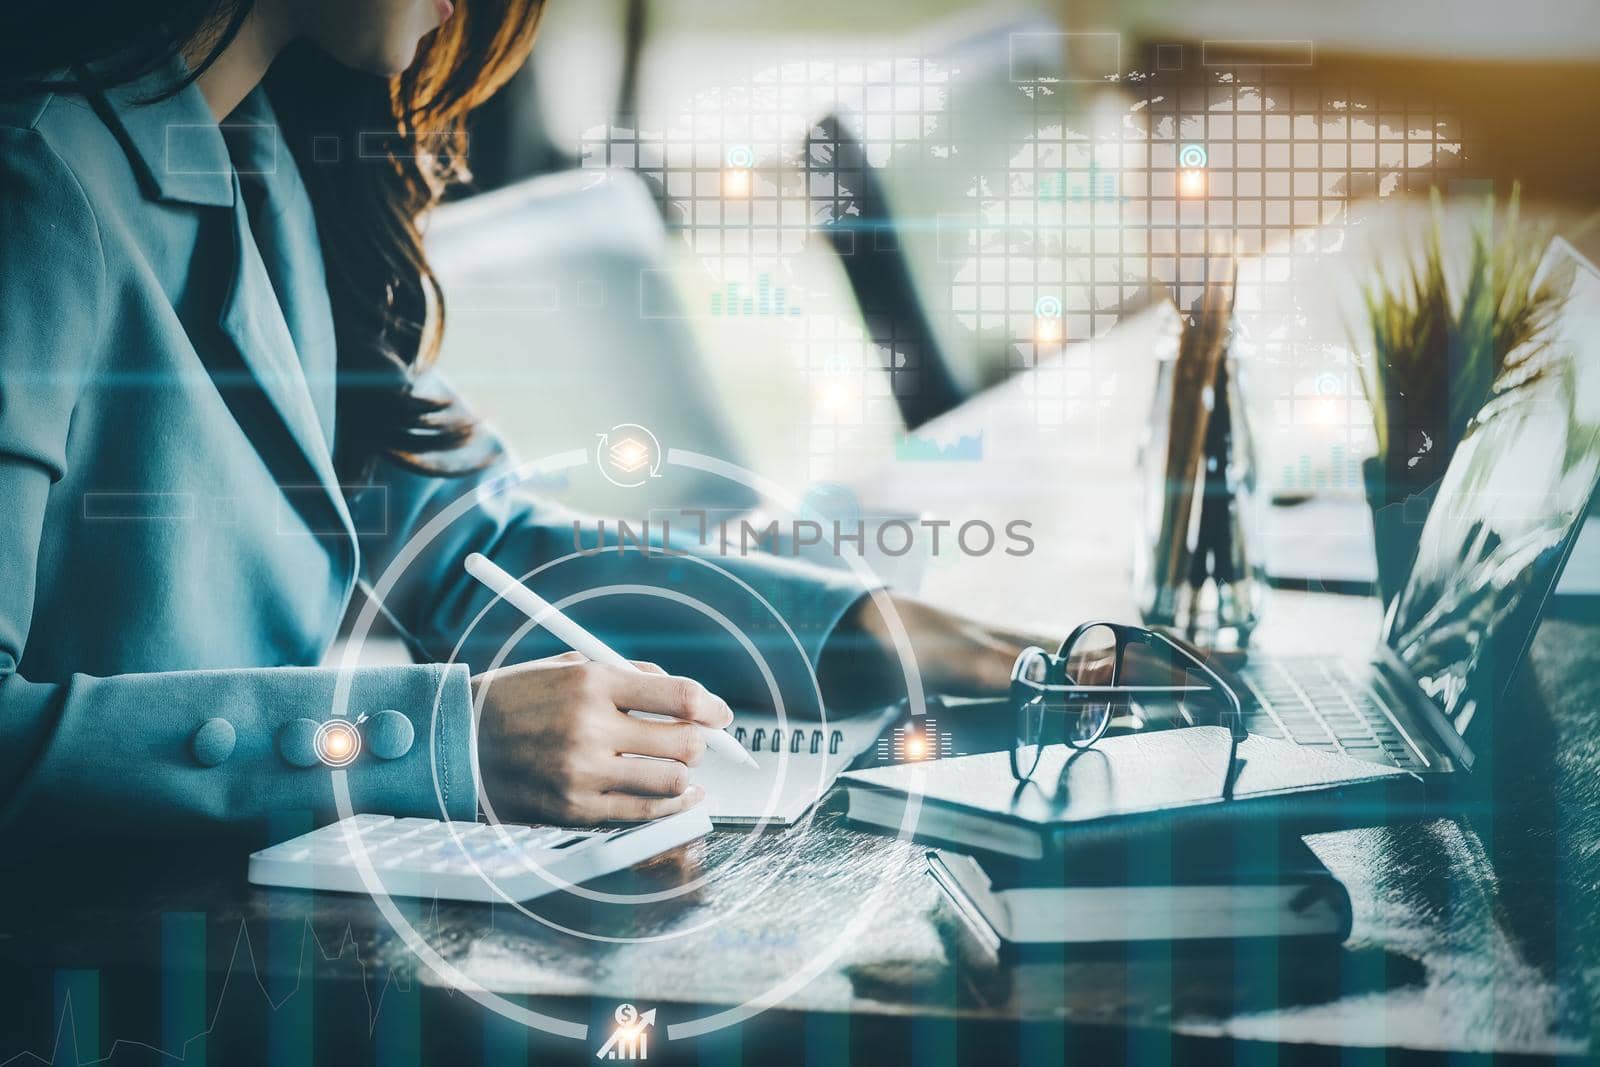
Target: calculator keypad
(431, 846)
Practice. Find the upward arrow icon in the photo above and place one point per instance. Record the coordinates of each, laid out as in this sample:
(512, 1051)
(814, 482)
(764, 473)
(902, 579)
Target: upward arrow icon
(629, 1040)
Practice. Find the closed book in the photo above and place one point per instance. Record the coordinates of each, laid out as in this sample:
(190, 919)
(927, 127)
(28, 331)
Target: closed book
(1200, 890)
(1160, 782)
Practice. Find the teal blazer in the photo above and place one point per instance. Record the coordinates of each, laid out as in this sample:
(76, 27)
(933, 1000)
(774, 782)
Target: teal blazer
(176, 552)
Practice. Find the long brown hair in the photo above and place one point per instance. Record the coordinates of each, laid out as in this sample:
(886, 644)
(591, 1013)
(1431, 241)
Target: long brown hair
(403, 143)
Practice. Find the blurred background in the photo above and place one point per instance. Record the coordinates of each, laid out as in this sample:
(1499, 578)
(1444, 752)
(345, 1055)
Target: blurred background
(789, 235)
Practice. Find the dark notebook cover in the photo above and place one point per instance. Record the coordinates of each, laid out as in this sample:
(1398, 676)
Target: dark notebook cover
(1190, 887)
(1249, 856)
(1125, 785)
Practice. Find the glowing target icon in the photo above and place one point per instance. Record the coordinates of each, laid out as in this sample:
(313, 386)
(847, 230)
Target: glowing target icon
(1192, 157)
(1329, 384)
(736, 179)
(337, 742)
(1047, 325)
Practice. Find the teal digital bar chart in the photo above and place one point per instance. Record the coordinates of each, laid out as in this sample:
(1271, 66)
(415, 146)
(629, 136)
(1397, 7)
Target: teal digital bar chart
(766, 301)
(1342, 471)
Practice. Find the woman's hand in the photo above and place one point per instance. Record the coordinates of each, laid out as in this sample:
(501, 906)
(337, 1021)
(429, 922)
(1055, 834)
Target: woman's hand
(552, 734)
(954, 655)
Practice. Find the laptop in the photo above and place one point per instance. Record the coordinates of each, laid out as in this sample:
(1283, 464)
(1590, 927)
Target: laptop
(1508, 511)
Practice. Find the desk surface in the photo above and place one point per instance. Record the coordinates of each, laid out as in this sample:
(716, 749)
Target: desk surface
(1475, 934)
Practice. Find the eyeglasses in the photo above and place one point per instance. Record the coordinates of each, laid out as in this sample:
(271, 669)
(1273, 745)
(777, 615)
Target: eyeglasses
(1081, 689)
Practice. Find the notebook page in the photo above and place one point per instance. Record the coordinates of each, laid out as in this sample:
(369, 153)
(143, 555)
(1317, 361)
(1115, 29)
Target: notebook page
(739, 796)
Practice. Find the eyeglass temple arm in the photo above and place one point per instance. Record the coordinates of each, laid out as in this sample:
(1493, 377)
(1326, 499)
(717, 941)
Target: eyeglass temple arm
(1236, 727)
(1113, 690)
(1069, 693)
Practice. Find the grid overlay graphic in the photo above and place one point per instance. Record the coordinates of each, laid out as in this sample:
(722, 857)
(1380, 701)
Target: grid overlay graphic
(1012, 193)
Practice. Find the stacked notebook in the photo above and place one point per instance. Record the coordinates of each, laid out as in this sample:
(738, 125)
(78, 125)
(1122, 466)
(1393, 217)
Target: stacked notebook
(1192, 891)
(1134, 839)
(1166, 782)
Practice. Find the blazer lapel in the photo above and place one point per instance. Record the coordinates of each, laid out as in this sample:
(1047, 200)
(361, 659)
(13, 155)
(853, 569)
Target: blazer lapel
(179, 155)
(285, 230)
(256, 329)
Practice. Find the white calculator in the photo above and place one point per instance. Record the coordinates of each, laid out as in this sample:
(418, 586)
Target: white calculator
(464, 860)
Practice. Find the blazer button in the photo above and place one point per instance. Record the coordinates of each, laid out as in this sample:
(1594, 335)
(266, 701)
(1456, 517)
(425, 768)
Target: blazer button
(389, 734)
(297, 743)
(213, 742)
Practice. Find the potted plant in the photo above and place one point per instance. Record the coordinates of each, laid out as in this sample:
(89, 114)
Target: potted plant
(1439, 339)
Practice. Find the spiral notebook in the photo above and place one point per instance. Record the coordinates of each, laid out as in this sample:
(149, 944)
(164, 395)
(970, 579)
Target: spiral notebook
(798, 764)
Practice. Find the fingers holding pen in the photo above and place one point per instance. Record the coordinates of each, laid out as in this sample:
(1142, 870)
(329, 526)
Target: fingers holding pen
(680, 741)
(667, 694)
(555, 742)
(645, 777)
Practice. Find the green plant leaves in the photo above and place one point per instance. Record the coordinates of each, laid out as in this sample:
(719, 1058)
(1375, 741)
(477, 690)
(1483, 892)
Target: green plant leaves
(1440, 344)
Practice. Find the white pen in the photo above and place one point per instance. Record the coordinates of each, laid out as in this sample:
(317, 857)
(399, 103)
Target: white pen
(578, 639)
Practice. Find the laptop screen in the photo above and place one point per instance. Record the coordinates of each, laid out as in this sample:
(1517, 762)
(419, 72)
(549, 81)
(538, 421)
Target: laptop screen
(1508, 509)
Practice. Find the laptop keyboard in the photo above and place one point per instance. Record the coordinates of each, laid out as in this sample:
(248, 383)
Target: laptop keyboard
(1317, 703)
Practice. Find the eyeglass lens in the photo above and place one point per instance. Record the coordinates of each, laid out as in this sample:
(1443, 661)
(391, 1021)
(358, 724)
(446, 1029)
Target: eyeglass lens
(1094, 658)
(1035, 667)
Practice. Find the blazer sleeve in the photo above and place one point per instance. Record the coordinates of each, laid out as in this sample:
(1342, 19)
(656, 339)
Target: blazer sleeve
(172, 750)
(749, 625)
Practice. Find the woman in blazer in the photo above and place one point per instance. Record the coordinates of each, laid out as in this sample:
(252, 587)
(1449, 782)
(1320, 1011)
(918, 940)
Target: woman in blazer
(215, 420)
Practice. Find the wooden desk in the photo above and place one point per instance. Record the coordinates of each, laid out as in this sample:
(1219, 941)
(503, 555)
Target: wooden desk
(1478, 935)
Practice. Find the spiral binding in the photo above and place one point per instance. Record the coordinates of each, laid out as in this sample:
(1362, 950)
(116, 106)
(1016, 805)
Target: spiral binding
(764, 740)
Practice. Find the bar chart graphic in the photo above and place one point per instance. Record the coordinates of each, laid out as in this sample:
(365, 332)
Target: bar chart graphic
(1340, 470)
(765, 301)
(1078, 186)
(914, 742)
